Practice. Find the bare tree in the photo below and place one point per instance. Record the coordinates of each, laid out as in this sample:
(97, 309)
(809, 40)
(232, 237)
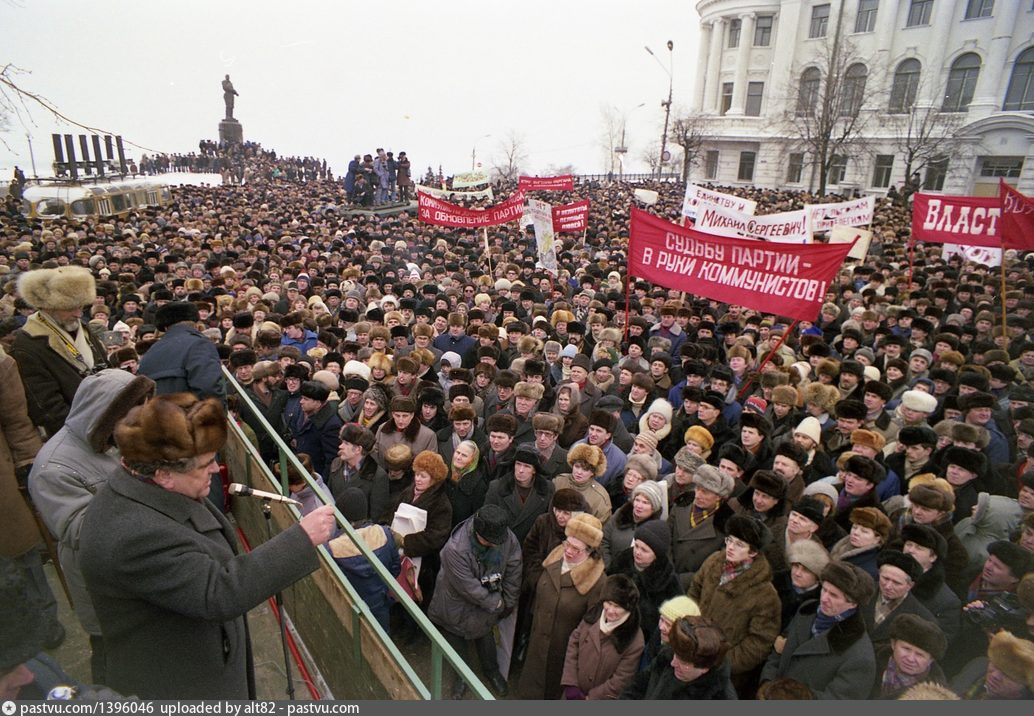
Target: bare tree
(687, 132)
(508, 163)
(824, 114)
(651, 156)
(925, 135)
(611, 138)
(554, 171)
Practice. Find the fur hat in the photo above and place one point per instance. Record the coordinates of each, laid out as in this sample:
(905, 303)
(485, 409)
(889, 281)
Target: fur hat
(917, 435)
(970, 460)
(914, 630)
(603, 419)
(655, 492)
(824, 396)
(879, 388)
(976, 400)
(402, 404)
(175, 312)
(314, 390)
(906, 563)
(936, 494)
(711, 478)
(1025, 592)
(866, 468)
(749, 529)
(853, 581)
(656, 535)
(569, 500)
(809, 554)
(462, 412)
(687, 460)
(586, 528)
(873, 519)
(701, 436)
(810, 508)
(501, 423)
(758, 422)
(925, 536)
(1014, 657)
(868, 438)
(431, 463)
(548, 421)
(769, 483)
(398, 457)
(1016, 558)
(491, 523)
(171, 427)
(851, 409)
(785, 395)
(828, 367)
(643, 464)
(919, 401)
(64, 288)
(621, 590)
(966, 433)
(589, 454)
(531, 391)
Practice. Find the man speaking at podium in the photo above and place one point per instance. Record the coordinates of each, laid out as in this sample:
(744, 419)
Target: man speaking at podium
(162, 565)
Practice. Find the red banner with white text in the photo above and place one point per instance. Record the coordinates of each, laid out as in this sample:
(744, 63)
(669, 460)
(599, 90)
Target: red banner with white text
(965, 220)
(443, 213)
(570, 218)
(784, 279)
(1017, 218)
(564, 182)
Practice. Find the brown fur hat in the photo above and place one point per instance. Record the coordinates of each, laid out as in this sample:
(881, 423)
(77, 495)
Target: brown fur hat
(586, 528)
(589, 454)
(828, 367)
(569, 500)
(929, 691)
(784, 394)
(1014, 657)
(825, 396)
(531, 391)
(63, 288)
(177, 426)
(501, 423)
(937, 494)
(380, 360)
(548, 421)
(398, 457)
(462, 412)
(432, 464)
(856, 584)
(873, 519)
(915, 630)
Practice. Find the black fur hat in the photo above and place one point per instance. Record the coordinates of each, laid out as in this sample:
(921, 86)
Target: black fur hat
(925, 536)
(750, 530)
(970, 460)
(175, 312)
(851, 409)
(621, 590)
(906, 563)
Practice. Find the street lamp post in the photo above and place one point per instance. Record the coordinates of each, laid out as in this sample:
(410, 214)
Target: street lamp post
(666, 105)
(622, 149)
(473, 151)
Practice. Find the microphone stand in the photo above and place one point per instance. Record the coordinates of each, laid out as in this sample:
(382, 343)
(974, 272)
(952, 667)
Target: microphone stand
(278, 599)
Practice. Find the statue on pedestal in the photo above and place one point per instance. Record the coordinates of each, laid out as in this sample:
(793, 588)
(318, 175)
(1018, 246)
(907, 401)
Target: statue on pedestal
(228, 94)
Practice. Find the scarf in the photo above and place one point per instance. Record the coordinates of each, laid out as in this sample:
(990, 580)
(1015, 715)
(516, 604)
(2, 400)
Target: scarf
(824, 623)
(490, 558)
(76, 349)
(608, 627)
(698, 516)
(730, 571)
(895, 681)
(885, 608)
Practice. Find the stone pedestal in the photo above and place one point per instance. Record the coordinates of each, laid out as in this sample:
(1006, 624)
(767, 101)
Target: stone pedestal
(230, 131)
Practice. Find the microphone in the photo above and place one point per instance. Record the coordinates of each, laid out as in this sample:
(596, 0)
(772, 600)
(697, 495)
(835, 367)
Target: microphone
(244, 491)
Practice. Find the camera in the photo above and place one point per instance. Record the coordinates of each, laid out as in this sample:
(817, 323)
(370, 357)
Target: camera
(1000, 612)
(492, 582)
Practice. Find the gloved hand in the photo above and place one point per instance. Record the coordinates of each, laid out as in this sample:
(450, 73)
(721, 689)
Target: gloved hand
(573, 693)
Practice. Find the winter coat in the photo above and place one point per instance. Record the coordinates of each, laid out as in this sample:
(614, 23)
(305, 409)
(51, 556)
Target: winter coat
(690, 546)
(934, 676)
(747, 609)
(656, 584)
(864, 557)
(521, 516)
(618, 532)
(18, 448)
(317, 437)
(561, 600)
(555, 464)
(467, 494)
(996, 518)
(49, 379)
(183, 360)
(790, 598)
(939, 600)
(879, 634)
(595, 494)
(69, 470)
(273, 413)
(429, 541)
(370, 478)
(463, 603)
(425, 440)
(602, 665)
(543, 537)
(956, 573)
(575, 425)
(658, 683)
(837, 664)
(361, 573)
(173, 605)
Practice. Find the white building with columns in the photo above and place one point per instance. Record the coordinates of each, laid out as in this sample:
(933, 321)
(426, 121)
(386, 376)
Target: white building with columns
(972, 59)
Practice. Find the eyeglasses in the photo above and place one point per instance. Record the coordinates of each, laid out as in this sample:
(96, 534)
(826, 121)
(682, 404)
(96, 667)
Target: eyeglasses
(574, 548)
(545, 434)
(738, 543)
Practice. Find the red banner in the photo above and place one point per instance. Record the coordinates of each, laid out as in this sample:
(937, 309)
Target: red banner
(1017, 218)
(965, 220)
(569, 218)
(443, 213)
(784, 279)
(564, 182)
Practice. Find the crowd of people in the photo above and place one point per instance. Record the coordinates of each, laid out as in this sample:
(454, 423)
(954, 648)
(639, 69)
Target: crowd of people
(662, 496)
(237, 164)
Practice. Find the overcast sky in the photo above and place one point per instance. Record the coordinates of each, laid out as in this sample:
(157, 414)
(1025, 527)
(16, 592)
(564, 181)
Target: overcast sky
(332, 79)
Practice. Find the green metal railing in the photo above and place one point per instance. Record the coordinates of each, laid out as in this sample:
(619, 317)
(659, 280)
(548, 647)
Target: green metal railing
(440, 648)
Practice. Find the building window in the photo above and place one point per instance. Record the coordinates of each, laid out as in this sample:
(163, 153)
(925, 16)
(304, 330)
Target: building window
(962, 80)
(734, 33)
(746, 172)
(762, 31)
(865, 20)
(819, 21)
(906, 84)
(837, 169)
(808, 94)
(979, 8)
(882, 171)
(711, 164)
(754, 92)
(936, 173)
(795, 168)
(919, 13)
(854, 90)
(1005, 167)
(726, 98)
(1020, 95)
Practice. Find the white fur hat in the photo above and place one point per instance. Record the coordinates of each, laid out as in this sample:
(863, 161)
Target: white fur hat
(63, 288)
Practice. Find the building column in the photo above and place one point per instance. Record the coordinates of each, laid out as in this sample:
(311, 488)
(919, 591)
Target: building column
(714, 64)
(992, 81)
(784, 40)
(739, 88)
(934, 77)
(886, 16)
(706, 28)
